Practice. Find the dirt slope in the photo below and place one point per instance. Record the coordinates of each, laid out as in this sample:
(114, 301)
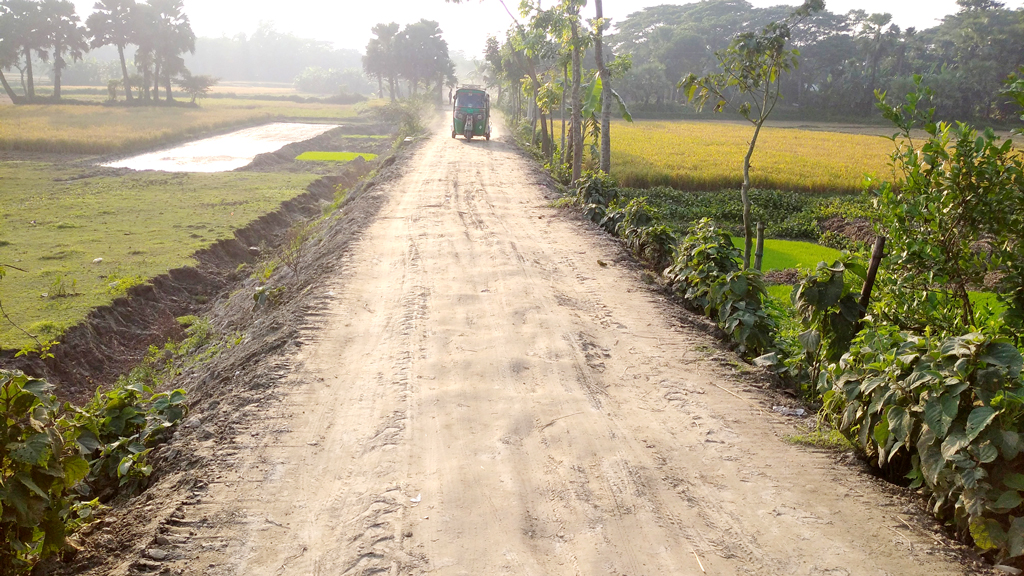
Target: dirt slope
(491, 389)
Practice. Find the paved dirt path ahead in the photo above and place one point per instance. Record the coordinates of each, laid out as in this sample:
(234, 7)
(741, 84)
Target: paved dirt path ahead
(494, 391)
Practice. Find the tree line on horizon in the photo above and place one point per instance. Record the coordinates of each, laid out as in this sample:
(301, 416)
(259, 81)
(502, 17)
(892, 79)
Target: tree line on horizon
(844, 58)
(51, 30)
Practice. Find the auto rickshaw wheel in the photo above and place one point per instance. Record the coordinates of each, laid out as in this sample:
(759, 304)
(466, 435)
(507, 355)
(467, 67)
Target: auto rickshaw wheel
(453, 132)
(487, 136)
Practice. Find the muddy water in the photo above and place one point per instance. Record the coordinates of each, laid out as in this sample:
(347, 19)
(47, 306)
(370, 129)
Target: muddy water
(224, 152)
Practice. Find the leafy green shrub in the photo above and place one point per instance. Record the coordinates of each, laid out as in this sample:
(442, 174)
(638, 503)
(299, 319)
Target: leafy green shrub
(785, 214)
(947, 412)
(952, 216)
(702, 257)
(408, 114)
(737, 307)
(827, 302)
(266, 296)
(118, 428)
(39, 466)
(595, 188)
(706, 274)
(638, 225)
(652, 245)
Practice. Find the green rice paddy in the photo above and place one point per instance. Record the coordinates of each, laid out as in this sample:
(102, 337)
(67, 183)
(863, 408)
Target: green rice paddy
(334, 156)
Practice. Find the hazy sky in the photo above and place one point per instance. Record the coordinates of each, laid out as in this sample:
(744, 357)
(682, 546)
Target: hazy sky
(347, 23)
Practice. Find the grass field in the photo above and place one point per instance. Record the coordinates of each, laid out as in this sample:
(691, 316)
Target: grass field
(334, 156)
(80, 129)
(783, 254)
(141, 225)
(709, 156)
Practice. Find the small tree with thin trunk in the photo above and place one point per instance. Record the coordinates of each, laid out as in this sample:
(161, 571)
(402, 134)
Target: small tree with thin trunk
(750, 82)
(195, 86)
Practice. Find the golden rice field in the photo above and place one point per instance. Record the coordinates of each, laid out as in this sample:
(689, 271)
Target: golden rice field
(709, 156)
(83, 129)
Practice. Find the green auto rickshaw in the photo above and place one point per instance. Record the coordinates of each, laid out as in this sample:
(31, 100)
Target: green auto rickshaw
(471, 113)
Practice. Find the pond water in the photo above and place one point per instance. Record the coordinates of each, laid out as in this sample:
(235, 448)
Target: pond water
(224, 152)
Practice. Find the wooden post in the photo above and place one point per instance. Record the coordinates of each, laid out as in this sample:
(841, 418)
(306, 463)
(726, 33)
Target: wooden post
(869, 282)
(759, 253)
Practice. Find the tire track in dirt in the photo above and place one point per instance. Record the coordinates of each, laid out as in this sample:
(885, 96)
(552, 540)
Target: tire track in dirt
(480, 396)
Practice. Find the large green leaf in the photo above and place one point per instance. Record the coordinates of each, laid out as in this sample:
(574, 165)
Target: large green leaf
(1015, 537)
(1015, 481)
(881, 433)
(900, 423)
(810, 340)
(1003, 354)
(76, 469)
(31, 485)
(592, 99)
(623, 110)
(939, 412)
(929, 456)
(970, 478)
(34, 450)
(1007, 501)
(985, 452)
(833, 288)
(987, 533)
(955, 441)
(850, 415)
(87, 441)
(978, 419)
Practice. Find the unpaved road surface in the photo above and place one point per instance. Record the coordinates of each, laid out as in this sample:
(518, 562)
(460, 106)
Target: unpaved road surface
(493, 390)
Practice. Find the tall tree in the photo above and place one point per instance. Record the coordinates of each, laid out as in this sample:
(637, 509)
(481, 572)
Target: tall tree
(65, 35)
(111, 24)
(8, 48)
(606, 89)
(577, 45)
(28, 28)
(752, 69)
(174, 37)
(422, 54)
(381, 59)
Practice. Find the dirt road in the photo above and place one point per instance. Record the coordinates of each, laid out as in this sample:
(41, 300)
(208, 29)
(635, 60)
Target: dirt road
(493, 390)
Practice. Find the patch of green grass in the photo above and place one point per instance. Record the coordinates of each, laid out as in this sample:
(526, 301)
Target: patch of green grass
(780, 292)
(783, 254)
(334, 156)
(987, 303)
(141, 225)
(821, 437)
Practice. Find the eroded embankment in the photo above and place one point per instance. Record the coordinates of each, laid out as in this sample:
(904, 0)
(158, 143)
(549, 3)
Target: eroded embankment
(114, 338)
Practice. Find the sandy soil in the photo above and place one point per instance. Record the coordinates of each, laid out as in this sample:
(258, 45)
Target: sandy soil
(488, 387)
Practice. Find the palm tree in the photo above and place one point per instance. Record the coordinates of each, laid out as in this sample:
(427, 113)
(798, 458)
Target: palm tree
(144, 28)
(174, 37)
(65, 35)
(381, 55)
(111, 24)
